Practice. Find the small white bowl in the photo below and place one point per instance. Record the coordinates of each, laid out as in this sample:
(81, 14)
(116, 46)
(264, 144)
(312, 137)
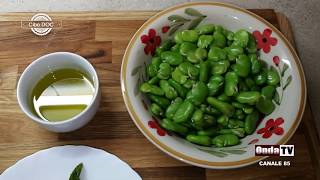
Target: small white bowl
(38, 69)
(276, 51)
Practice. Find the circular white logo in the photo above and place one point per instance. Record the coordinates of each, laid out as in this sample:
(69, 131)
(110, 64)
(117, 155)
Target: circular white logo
(41, 24)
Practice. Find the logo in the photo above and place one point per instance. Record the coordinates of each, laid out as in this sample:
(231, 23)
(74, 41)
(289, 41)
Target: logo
(41, 24)
(274, 150)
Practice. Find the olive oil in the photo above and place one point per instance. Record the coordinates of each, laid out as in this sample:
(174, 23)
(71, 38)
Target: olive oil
(62, 94)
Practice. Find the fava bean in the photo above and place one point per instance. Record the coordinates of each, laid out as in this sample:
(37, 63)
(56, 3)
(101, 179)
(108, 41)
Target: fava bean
(273, 77)
(265, 106)
(268, 92)
(172, 109)
(248, 97)
(156, 109)
(204, 71)
(251, 121)
(223, 107)
(164, 71)
(189, 35)
(240, 132)
(231, 83)
(242, 66)
(205, 41)
(217, 54)
(201, 140)
(205, 29)
(179, 77)
(198, 93)
(172, 126)
(219, 40)
(225, 140)
(184, 112)
(241, 38)
(161, 101)
(169, 91)
(215, 84)
(208, 132)
(197, 120)
(220, 67)
(173, 58)
(152, 89)
(182, 91)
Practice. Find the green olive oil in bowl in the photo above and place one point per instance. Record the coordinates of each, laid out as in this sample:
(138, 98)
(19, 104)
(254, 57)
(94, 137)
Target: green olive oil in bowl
(62, 94)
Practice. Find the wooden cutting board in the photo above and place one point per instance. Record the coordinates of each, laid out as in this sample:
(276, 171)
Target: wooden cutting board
(102, 38)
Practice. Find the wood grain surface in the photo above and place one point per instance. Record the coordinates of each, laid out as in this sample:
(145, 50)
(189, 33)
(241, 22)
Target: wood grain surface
(102, 38)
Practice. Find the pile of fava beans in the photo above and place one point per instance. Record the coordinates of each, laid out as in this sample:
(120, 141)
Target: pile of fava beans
(208, 85)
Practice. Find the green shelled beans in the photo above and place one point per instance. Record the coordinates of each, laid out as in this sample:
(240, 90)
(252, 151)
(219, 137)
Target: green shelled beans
(209, 86)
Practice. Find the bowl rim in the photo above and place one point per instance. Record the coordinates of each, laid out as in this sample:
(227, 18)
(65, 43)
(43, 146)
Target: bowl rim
(185, 158)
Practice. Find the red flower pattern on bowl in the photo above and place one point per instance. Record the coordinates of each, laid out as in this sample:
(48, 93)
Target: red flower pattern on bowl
(272, 127)
(151, 41)
(264, 40)
(155, 125)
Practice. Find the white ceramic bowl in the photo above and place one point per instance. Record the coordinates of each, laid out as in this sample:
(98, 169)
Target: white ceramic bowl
(38, 69)
(275, 50)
